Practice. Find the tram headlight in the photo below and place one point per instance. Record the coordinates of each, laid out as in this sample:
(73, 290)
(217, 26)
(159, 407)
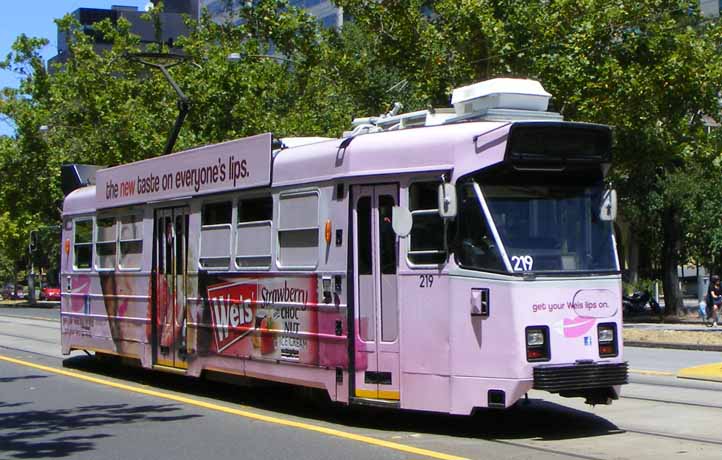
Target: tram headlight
(534, 337)
(537, 344)
(607, 339)
(605, 334)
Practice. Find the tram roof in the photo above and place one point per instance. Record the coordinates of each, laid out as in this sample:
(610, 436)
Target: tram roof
(80, 201)
(423, 149)
(453, 147)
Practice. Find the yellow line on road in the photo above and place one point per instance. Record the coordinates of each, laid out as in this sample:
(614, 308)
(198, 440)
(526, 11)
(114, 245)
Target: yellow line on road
(656, 373)
(241, 413)
(711, 372)
(37, 318)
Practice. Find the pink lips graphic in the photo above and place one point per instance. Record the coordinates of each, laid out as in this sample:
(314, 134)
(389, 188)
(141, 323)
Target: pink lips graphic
(577, 327)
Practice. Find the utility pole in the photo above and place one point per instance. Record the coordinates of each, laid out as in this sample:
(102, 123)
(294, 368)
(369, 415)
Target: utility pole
(32, 245)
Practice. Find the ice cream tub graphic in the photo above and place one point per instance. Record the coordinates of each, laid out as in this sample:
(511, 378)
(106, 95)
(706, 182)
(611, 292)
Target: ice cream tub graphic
(268, 343)
(263, 337)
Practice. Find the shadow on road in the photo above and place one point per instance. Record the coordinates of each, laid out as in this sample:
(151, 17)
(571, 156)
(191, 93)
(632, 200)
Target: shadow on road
(536, 419)
(21, 377)
(33, 434)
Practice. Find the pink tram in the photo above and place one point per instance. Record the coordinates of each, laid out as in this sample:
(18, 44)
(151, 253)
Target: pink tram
(440, 260)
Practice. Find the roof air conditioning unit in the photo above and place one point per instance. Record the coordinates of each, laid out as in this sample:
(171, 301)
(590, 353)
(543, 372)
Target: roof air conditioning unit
(500, 93)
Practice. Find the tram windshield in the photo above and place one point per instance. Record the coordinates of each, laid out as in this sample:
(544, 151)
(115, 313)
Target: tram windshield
(546, 228)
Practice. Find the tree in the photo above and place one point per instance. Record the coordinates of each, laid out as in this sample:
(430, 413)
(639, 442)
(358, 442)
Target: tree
(649, 68)
(22, 158)
(102, 108)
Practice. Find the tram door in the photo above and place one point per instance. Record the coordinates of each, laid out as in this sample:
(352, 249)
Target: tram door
(170, 263)
(376, 314)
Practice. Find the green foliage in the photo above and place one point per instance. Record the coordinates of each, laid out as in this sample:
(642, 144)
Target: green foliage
(650, 68)
(8, 243)
(643, 285)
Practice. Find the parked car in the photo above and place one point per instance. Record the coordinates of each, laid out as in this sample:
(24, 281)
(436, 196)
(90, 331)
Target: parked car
(19, 293)
(8, 292)
(50, 293)
(12, 292)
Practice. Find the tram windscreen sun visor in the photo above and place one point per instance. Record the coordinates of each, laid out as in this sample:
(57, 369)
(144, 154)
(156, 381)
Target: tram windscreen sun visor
(558, 145)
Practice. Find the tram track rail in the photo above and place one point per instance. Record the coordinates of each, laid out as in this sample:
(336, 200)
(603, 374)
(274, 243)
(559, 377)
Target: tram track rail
(48, 342)
(546, 450)
(32, 318)
(670, 401)
(622, 430)
(676, 437)
(23, 350)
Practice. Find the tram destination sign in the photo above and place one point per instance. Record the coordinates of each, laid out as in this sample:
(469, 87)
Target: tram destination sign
(233, 165)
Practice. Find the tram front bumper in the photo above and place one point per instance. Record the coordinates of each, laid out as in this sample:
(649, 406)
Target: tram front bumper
(598, 383)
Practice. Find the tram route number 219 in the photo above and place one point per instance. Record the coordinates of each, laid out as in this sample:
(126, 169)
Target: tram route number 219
(426, 281)
(522, 263)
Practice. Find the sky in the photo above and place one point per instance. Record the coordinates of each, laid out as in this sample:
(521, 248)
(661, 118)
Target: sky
(35, 18)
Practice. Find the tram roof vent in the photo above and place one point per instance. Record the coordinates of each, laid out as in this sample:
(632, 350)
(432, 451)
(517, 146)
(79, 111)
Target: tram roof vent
(500, 93)
(499, 99)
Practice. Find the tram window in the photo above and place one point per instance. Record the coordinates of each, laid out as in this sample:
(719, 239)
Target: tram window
(253, 233)
(131, 241)
(255, 209)
(366, 324)
(181, 243)
(363, 216)
(216, 235)
(426, 241)
(298, 230)
(387, 259)
(83, 244)
(475, 246)
(217, 213)
(105, 242)
(387, 237)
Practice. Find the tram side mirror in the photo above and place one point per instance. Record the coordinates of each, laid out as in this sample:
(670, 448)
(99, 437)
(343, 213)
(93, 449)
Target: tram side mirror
(401, 221)
(447, 201)
(608, 208)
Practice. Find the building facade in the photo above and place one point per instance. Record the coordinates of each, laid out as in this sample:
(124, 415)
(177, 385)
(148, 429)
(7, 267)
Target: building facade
(324, 10)
(172, 21)
(710, 8)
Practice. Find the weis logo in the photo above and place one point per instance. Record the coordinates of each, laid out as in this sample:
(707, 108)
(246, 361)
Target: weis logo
(233, 310)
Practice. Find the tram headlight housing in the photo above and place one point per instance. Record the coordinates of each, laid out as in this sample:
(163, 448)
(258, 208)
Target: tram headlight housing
(605, 334)
(607, 339)
(537, 344)
(534, 337)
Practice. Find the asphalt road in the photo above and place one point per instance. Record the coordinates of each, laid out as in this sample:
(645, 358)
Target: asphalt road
(51, 416)
(46, 310)
(90, 409)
